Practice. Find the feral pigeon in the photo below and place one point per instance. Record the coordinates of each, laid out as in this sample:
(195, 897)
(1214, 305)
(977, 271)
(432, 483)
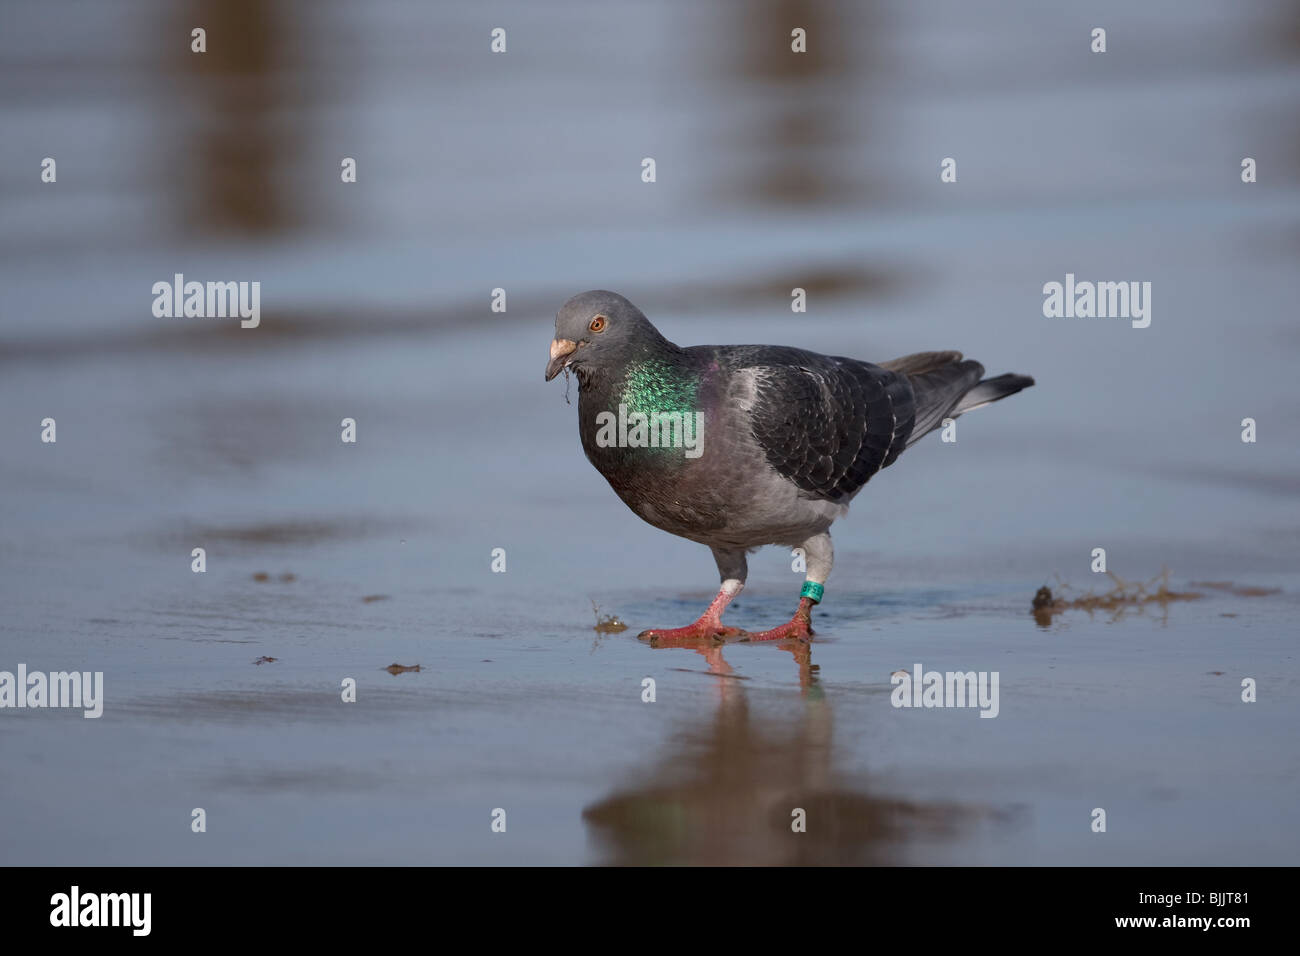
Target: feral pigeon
(739, 446)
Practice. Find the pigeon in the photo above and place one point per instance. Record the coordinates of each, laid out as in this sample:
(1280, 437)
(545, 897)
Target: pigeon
(741, 446)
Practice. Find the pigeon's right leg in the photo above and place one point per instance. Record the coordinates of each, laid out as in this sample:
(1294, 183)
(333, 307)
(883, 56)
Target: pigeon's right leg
(733, 569)
(819, 555)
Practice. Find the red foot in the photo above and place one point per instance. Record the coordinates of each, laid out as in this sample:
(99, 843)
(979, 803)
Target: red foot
(798, 628)
(708, 629)
(702, 631)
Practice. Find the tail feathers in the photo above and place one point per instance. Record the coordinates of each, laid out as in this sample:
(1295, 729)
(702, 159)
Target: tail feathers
(920, 362)
(937, 392)
(945, 385)
(992, 389)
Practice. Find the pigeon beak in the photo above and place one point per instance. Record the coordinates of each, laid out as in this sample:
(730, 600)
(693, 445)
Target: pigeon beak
(561, 349)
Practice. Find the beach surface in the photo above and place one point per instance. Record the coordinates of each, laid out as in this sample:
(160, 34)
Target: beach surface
(337, 560)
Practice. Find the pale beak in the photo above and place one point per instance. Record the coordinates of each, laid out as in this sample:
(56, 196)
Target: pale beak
(561, 349)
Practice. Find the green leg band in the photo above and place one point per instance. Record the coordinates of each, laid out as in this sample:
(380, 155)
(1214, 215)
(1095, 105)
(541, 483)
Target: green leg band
(811, 589)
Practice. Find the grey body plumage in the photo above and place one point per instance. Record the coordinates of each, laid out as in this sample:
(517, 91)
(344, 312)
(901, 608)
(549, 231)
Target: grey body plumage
(789, 436)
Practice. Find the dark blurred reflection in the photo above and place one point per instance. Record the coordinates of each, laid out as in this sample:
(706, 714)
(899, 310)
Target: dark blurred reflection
(237, 153)
(1288, 36)
(725, 791)
(799, 127)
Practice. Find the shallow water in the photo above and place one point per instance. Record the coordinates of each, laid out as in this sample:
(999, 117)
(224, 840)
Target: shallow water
(175, 434)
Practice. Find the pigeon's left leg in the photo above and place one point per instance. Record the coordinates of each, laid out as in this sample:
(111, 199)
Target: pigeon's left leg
(819, 555)
(733, 569)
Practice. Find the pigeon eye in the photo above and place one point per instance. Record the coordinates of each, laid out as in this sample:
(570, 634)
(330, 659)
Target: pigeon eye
(598, 324)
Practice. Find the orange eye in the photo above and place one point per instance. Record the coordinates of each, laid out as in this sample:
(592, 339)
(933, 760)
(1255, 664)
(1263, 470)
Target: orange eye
(598, 324)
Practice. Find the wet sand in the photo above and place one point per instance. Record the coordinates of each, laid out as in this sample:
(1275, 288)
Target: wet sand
(338, 560)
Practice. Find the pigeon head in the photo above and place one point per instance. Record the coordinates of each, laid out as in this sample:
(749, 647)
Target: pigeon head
(600, 330)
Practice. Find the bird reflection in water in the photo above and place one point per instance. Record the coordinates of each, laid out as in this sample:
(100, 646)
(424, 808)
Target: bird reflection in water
(725, 791)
